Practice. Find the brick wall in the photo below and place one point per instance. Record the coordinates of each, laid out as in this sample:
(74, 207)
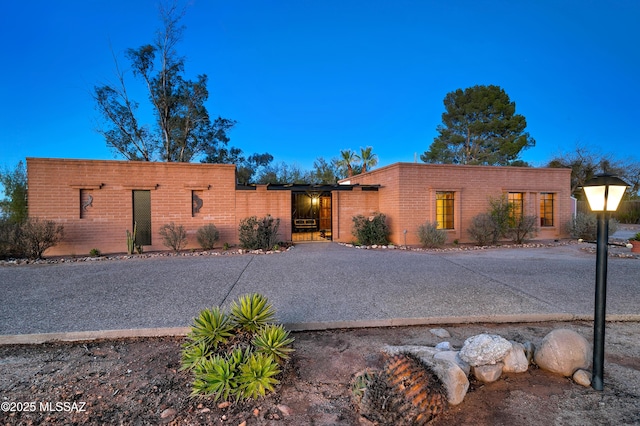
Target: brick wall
(59, 188)
(261, 202)
(409, 192)
(347, 204)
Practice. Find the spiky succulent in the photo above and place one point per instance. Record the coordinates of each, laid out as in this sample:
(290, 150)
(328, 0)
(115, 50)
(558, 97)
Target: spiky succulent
(256, 376)
(274, 340)
(236, 355)
(216, 377)
(193, 355)
(212, 327)
(252, 311)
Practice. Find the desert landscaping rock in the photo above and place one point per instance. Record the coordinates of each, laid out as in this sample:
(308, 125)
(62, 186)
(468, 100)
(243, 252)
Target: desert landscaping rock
(444, 346)
(454, 356)
(516, 359)
(484, 349)
(440, 332)
(582, 377)
(453, 378)
(488, 373)
(563, 351)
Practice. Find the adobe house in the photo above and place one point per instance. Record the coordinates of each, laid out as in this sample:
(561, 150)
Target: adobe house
(97, 201)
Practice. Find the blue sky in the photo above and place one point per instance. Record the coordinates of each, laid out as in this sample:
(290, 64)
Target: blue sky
(308, 78)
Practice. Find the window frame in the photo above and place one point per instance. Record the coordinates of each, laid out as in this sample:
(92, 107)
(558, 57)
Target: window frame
(518, 203)
(445, 210)
(547, 209)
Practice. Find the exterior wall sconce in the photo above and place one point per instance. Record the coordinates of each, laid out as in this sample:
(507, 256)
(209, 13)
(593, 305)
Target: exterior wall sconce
(604, 193)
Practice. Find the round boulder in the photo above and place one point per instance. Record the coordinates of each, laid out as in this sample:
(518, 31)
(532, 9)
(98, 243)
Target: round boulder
(563, 351)
(484, 349)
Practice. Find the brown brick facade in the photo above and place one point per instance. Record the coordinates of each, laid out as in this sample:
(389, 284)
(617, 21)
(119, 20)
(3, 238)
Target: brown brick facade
(94, 199)
(408, 195)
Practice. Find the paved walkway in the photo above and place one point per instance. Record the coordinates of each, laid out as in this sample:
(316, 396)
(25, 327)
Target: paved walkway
(314, 286)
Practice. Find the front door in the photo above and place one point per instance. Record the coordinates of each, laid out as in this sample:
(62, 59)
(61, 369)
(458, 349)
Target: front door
(311, 216)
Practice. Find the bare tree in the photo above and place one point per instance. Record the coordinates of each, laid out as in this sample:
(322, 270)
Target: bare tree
(184, 128)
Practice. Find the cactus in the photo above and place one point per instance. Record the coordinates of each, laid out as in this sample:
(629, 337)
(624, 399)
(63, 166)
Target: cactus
(131, 239)
(405, 392)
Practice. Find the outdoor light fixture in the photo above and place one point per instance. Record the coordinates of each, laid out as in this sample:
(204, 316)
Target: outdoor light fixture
(604, 193)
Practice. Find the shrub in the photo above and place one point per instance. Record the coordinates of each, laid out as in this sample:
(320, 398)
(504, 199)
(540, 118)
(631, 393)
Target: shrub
(173, 236)
(501, 221)
(629, 212)
(483, 229)
(39, 235)
(371, 230)
(207, 236)
(585, 226)
(10, 240)
(231, 361)
(430, 236)
(520, 228)
(502, 214)
(257, 233)
(94, 252)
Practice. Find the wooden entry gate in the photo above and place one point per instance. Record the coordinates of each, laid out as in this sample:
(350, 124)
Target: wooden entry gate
(311, 216)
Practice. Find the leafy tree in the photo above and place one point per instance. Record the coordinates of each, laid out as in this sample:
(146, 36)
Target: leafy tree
(254, 165)
(283, 173)
(14, 207)
(479, 126)
(184, 128)
(325, 172)
(347, 160)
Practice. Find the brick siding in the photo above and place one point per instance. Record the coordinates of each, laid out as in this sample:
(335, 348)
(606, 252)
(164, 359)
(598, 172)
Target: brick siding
(59, 188)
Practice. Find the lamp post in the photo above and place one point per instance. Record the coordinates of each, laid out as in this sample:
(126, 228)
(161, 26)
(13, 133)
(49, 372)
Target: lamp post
(604, 193)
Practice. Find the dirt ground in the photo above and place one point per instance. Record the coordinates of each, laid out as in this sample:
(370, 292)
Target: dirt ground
(136, 381)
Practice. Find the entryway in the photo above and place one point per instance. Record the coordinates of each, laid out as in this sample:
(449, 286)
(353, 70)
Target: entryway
(311, 216)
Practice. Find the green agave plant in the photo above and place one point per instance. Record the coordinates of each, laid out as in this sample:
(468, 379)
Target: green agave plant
(256, 376)
(193, 355)
(212, 327)
(236, 355)
(216, 377)
(239, 356)
(274, 340)
(252, 311)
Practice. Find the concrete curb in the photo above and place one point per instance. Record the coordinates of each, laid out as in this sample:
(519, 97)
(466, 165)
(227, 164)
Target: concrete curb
(78, 336)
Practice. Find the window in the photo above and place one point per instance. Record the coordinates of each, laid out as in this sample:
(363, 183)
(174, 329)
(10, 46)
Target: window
(517, 201)
(142, 217)
(444, 209)
(546, 209)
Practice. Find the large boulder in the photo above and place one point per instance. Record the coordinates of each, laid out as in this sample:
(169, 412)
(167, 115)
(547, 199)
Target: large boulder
(484, 349)
(563, 351)
(516, 360)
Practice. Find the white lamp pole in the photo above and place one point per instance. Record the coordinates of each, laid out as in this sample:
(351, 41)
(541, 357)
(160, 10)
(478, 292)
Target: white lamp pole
(604, 193)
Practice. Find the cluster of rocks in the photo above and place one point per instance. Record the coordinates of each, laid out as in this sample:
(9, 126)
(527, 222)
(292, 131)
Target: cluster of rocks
(486, 357)
(74, 259)
(462, 247)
